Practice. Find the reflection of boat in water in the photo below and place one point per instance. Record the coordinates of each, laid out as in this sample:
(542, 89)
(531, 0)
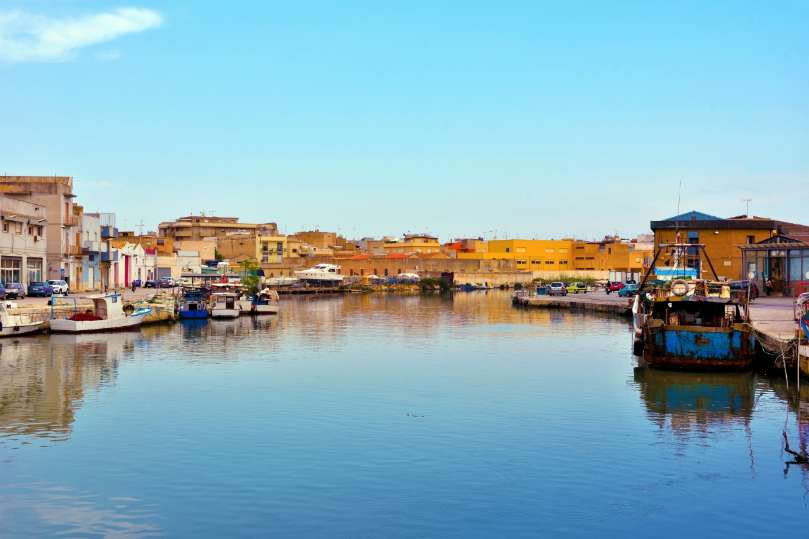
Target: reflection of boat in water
(802, 304)
(16, 324)
(696, 397)
(692, 325)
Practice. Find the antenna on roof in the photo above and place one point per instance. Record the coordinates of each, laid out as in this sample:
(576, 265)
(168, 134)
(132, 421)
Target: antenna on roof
(747, 212)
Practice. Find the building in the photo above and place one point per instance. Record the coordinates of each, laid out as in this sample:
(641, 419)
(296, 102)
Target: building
(782, 259)
(91, 248)
(321, 240)
(721, 238)
(371, 246)
(108, 265)
(413, 243)
(55, 195)
(612, 254)
(23, 242)
(156, 243)
(199, 227)
(529, 255)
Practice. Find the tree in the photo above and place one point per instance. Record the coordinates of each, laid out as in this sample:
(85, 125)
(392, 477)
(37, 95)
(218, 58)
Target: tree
(217, 255)
(249, 278)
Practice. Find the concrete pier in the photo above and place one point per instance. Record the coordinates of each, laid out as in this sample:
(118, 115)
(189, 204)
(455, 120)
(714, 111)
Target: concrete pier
(593, 301)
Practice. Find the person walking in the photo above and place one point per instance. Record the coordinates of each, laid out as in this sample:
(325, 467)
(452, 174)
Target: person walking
(133, 286)
(768, 286)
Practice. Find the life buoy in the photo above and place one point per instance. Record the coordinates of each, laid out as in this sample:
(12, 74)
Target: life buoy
(679, 287)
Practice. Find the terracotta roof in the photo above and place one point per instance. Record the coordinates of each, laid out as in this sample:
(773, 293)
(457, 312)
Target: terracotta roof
(362, 257)
(399, 255)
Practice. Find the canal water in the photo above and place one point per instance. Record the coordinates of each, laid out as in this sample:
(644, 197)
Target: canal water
(388, 416)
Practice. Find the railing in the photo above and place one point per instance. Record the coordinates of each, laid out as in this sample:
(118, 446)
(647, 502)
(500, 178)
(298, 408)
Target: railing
(72, 250)
(72, 221)
(109, 232)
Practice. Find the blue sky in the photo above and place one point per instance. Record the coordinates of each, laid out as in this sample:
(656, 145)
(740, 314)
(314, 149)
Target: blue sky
(535, 119)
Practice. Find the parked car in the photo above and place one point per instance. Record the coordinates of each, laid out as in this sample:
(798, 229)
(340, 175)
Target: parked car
(137, 283)
(59, 287)
(14, 290)
(575, 288)
(613, 287)
(628, 290)
(742, 286)
(557, 288)
(183, 281)
(40, 288)
(151, 283)
(2, 292)
(166, 282)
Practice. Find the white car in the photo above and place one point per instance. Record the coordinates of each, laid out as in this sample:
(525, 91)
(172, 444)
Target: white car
(557, 288)
(59, 287)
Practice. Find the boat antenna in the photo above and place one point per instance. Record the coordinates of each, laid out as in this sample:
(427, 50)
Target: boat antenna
(677, 228)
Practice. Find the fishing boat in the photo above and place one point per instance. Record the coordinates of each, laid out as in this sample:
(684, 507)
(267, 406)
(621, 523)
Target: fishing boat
(265, 302)
(12, 325)
(691, 324)
(223, 305)
(110, 313)
(194, 305)
(802, 304)
(320, 275)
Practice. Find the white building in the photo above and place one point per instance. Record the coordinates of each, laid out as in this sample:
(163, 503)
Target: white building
(23, 245)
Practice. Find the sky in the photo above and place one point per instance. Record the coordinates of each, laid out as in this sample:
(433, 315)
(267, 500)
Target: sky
(460, 119)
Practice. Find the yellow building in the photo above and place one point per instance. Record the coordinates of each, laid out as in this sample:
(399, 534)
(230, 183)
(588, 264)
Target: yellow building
(414, 243)
(612, 254)
(531, 255)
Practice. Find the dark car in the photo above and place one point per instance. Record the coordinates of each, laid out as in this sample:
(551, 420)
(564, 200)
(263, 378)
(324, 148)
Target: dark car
(39, 288)
(14, 290)
(151, 283)
(741, 288)
(166, 282)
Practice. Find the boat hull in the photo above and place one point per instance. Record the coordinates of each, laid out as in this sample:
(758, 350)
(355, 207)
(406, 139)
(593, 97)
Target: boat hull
(699, 348)
(225, 313)
(190, 315)
(63, 325)
(265, 309)
(21, 329)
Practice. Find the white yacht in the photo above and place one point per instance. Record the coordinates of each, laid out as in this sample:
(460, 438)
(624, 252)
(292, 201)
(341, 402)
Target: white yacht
(322, 274)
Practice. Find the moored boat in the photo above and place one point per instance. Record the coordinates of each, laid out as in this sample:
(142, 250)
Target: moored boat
(110, 314)
(265, 302)
(692, 324)
(321, 275)
(194, 305)
(16, 324)
(223, 305)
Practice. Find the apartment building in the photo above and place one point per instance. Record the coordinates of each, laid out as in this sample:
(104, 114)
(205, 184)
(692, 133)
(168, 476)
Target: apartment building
(23, 242)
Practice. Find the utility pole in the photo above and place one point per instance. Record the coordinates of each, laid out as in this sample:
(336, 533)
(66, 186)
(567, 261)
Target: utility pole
(140, 226)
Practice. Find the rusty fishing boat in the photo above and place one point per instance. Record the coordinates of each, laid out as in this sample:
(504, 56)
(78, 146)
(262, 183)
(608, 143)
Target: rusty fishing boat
(691, 323)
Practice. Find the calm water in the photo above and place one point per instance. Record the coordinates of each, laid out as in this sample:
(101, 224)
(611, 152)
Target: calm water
(387, 416)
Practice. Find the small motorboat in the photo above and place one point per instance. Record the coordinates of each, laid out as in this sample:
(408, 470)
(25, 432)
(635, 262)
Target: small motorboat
(265, 302)
(223, 305)
(110, 314)
(12, 325)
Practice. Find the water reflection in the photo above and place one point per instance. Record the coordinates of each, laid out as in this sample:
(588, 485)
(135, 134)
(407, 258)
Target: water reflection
(44, 380)
(688, 401)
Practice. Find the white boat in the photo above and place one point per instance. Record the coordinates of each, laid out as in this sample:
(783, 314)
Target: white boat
(265, 302)
(16, 324)
(224, 305)
(281, 280)
(322, 274)
(111, 314)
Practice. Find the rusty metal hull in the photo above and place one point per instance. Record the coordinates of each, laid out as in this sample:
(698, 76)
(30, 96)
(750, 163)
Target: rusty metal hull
(699, 348)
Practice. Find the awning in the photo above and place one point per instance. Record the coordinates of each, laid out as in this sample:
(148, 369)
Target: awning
(16, 217)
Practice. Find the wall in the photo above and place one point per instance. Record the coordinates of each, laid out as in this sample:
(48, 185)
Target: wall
(550, 255)
(321, 240)
(205, 248)
(23, 251)
(428, 266)
(509, 278)
(233, 246)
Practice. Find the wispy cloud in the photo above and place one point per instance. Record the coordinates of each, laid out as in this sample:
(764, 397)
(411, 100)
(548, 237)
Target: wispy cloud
(107, 56)
(33, 38)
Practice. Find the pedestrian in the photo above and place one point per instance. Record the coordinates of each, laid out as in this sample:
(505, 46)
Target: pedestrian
(133, 286)
(768, 285)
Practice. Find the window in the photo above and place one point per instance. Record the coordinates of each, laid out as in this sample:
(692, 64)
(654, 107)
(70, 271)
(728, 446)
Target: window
(550, 250)
(93, 258)
(602, 249)
(264, 247)
(265, 257)
(563, 250)
(520, 261)
(34, 270)
(39, 230)
(362, 271)
(562, 262)
(751, 239)
(18, 228)
(386, 273)
(398, 272)
(609, 251)
(351, 273)
(507, 249)
(549, 262)
(637, 260)
(376, 271)
(87, 235)
(161, 242)
(279, 246)
(536, 262)
(5, 227)
(520, 249)
(10, 270)
(30, 231)
(279, 257)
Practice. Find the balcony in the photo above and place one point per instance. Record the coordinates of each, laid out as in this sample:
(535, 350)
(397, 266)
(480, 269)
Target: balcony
(90, 246)
(72, 250)
(109, 256)
(71, 221)
(109, 232)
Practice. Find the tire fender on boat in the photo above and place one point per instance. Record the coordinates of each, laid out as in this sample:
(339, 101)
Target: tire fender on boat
(679, 287)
